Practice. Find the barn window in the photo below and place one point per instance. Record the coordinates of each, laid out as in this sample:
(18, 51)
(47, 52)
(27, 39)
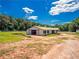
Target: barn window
(47, 31)
(52, 31)
(44, 31)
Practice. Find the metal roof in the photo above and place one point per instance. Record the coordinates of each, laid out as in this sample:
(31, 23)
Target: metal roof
(45, 28)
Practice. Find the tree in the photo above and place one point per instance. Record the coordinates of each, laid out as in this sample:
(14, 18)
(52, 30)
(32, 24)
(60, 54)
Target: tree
(8, 23)
(72, 27)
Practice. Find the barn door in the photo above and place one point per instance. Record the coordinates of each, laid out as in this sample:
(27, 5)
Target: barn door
(33, 32)
(53, 32)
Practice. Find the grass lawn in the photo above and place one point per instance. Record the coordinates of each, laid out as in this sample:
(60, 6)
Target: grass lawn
(7, 37)
(77, 33)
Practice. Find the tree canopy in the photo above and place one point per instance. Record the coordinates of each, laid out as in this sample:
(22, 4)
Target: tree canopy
(72, 26)
(8, 23)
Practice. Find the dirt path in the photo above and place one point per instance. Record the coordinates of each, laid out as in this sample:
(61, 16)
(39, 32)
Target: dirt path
(67, 50)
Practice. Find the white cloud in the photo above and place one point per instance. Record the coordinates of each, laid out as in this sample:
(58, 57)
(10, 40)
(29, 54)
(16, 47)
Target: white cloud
(28, 10)
(28, 14)
(62, 1)
(64, 6)
(33, 17)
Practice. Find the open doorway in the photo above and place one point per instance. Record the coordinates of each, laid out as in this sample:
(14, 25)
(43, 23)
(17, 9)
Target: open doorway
(33, 32)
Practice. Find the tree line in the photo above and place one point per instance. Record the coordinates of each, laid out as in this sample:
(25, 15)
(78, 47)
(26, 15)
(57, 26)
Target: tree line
(72, 26)
(8, 23)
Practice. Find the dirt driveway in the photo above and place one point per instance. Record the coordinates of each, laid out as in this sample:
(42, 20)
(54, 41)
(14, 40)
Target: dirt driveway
(69, 49)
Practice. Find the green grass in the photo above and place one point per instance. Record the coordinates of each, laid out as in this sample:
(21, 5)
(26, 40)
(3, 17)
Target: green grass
(77, 33)
(7, 37)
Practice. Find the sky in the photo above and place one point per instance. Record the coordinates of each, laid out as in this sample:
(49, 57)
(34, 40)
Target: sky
(42, 11)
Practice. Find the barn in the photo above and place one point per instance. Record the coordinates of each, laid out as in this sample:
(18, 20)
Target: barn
(77, 29)
(37, 30)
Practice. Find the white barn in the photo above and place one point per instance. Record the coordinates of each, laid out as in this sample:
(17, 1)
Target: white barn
(37, 30)
(77, 30)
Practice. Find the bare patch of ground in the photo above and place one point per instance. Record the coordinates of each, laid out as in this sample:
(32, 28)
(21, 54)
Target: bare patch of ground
(67, 50)
(38, 47)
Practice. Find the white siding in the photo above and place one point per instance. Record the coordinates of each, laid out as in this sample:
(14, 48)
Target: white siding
(77, 30)
(41, 32)
(28, 32)
(37, 31)
(50, 31)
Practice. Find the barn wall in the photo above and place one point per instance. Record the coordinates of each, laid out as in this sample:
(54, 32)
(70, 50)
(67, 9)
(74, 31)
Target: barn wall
(77, 30)
(38, 31)
(28, 32)
(41, 32)
(34, 29)
(50, 31)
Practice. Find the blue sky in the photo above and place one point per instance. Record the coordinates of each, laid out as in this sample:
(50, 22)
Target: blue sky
(42, 11)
